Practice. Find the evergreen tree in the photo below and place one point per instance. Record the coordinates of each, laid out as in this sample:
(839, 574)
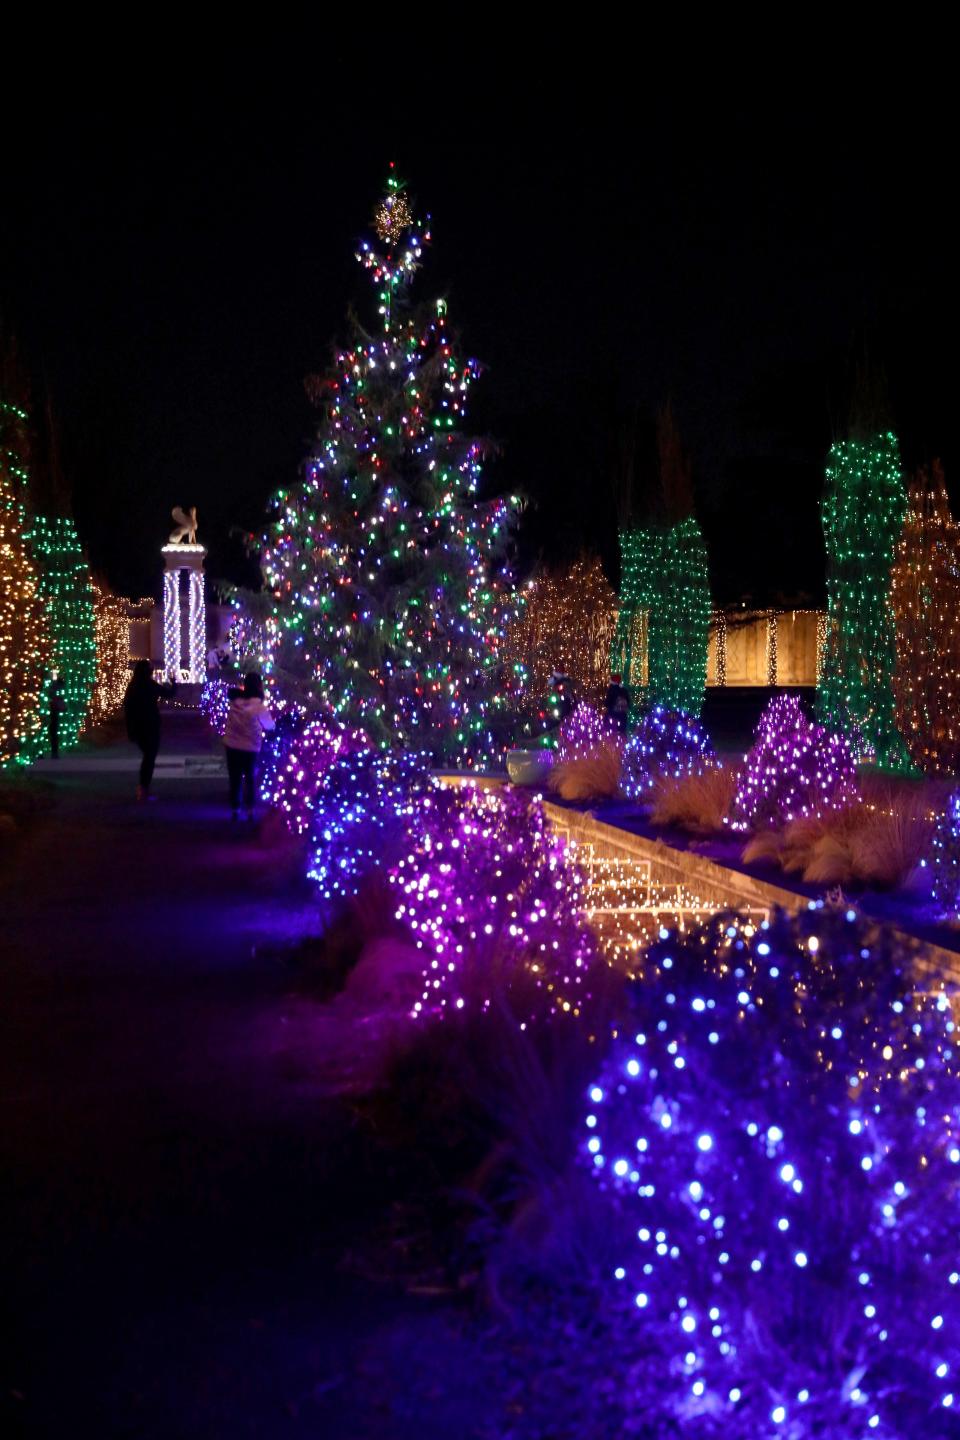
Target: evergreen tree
(864, 504)
(384, 566)
(925, 596)
(24, 636)
(665, 591)
(65, 586)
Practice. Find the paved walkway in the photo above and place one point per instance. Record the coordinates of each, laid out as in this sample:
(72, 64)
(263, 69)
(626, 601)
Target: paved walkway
(177, 1189)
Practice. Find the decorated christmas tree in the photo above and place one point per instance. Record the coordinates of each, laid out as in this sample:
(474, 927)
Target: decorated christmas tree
(385, 567)
(925, 596)
(24, 634)
(864, 504)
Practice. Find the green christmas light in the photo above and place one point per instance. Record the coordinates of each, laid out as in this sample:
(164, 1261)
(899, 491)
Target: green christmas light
(66, 589)
(863, 509)
(660, 644)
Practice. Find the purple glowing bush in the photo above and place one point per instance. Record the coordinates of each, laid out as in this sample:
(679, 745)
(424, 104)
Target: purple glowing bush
(296, 779)
(214, 702)
(794, 770)
(665, 743)
(495, 901)
(584, 732)
(367, 804)
(777, 1134)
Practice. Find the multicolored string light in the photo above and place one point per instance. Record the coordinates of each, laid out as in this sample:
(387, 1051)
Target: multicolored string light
(25, 648)
(386, 569)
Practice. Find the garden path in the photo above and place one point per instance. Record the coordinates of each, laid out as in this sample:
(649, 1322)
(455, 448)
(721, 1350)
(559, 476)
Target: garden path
(177, 1190)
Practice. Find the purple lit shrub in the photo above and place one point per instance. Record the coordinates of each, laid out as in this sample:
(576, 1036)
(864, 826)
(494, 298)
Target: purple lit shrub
(296, 779)
(494, 900)
(583, 732)
(777, 1134)
(666, 743)
(794, 770)
(367, 804)
(214, 702)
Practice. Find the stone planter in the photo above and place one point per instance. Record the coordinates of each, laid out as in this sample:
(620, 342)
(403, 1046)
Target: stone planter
(529, 767)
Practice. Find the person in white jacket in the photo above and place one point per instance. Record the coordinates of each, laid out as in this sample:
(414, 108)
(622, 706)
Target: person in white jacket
(247, 719)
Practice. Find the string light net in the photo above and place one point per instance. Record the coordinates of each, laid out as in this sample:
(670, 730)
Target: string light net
(925, 598)
(495, 901)
(664, 605)
(387, 570)
(566, 625)
(794, 769)
(665, 743)
(25, 648)
(863, 509)
(111, 633)
(777, 1132)
(66, 589)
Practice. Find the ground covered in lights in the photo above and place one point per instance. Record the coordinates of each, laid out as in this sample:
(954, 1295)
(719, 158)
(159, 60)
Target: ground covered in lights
(255, 1197)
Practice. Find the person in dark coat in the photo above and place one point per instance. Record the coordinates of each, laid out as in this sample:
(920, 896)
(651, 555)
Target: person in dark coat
(141, 708)
(617, 703)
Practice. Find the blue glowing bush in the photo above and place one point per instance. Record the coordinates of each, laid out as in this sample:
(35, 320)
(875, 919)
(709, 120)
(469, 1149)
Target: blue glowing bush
(296, 777)
(945, 857)
(777, 1133)
(665, 743)
(365, 806)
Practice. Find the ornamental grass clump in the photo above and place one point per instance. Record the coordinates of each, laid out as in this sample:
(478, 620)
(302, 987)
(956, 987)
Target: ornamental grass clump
(699, 802)
(777, 1135)
(795, 769)
(589, 757)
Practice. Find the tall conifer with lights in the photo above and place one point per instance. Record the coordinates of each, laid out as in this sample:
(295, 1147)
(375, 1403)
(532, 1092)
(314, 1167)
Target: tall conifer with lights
(664, 587)
(863, 509)
(24, 635)
(386, 570)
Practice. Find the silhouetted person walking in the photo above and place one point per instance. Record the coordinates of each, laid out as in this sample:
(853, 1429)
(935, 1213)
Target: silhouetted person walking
(247, 719)
(142, 710)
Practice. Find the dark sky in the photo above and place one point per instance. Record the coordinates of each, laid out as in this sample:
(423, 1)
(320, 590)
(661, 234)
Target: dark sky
(176, 253)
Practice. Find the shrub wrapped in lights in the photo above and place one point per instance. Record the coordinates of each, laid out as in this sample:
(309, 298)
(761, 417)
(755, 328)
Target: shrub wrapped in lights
(296, 780)
(584, 731)
(367, 803)
(589, 749)
(496, 902)
(794, 769)
(666, 743)
(778, 1135)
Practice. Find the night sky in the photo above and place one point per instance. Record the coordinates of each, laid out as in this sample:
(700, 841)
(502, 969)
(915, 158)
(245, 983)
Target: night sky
(176, 254)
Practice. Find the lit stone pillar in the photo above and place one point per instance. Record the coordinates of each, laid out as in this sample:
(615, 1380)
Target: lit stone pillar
(184, 656)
